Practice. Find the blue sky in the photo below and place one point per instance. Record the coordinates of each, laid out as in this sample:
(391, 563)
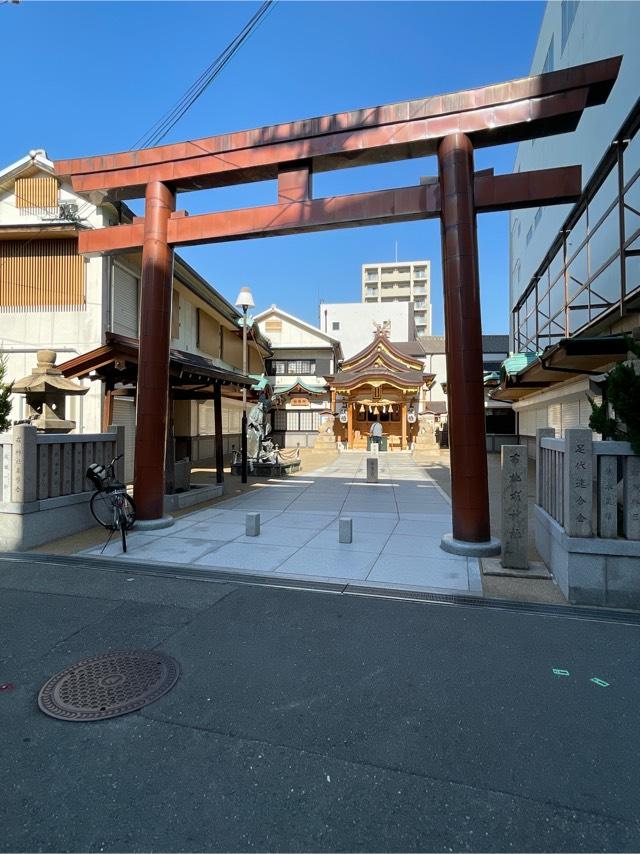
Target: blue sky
(91, 78)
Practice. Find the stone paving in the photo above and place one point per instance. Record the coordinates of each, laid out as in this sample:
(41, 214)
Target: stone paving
(397, 526)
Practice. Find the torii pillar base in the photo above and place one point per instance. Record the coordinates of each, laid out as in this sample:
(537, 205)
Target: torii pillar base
(463, 336)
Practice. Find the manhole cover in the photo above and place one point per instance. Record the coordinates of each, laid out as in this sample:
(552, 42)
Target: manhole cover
(108, 685)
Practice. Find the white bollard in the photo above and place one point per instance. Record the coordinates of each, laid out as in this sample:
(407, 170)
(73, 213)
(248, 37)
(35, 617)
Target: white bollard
(253, 525)
(372, 470)
(345, 530)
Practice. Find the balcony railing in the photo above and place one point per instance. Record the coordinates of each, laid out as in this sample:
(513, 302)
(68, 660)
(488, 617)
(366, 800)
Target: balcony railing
(592, 269)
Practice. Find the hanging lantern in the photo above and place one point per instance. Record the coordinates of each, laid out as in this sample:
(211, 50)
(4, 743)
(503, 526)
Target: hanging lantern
(411, 415)
(344, 417)
(361, 407)
(375, 411)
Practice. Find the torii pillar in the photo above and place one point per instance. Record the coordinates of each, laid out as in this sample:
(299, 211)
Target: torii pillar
(463, 340)
(152, 403)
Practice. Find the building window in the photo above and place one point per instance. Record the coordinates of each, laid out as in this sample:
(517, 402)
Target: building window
(335, 325)
(292, 421)
(302, 366)
(569, 9)
(280, 367)
(273, 326)
(548, 62)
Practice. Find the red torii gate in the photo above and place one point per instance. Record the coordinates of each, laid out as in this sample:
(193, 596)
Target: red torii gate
(450, 126)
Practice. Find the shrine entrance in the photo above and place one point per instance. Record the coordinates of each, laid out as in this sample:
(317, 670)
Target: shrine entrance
(449, 126)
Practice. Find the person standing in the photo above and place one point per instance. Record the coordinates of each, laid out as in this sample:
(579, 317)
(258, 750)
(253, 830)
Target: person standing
(375, 431)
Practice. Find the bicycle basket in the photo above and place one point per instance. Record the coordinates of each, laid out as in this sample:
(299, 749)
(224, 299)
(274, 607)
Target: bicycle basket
(97, 474)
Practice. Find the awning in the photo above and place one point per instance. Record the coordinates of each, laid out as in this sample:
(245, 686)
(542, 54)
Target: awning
(569, 359)
(191, 376)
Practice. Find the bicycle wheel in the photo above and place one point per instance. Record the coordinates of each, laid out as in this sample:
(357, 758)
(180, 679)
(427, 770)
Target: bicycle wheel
(104, 509)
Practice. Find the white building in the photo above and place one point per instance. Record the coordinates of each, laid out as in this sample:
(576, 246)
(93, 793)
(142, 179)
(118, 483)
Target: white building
(573, 33)
(575, 271)
(53, 298)
(401, 281)
(302, 357)
(353, 323)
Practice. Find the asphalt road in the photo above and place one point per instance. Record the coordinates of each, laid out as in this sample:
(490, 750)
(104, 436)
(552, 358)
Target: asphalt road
(316, 721)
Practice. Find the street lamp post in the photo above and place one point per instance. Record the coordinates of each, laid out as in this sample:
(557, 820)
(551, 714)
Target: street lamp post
(244, 301)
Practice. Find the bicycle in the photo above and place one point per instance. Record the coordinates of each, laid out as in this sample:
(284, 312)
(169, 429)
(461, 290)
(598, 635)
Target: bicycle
(111, 506)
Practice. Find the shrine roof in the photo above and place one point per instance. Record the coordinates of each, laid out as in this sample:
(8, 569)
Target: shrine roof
(302, 386)
(117, 361)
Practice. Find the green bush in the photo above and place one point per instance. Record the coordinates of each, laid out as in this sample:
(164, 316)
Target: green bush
(621, 395)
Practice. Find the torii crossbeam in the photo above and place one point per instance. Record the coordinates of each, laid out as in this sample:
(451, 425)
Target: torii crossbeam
(450, 126)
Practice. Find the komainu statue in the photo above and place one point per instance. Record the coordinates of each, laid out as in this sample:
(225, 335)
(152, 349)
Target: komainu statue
(326, 425)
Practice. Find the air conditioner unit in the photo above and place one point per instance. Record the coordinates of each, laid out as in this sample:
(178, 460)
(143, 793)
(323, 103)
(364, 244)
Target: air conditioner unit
(69, 210)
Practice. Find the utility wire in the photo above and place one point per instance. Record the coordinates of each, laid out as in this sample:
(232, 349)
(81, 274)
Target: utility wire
(161, 128)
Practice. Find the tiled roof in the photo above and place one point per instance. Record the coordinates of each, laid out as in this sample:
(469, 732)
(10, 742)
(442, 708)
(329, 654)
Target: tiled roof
(433, 344)
(495, 343)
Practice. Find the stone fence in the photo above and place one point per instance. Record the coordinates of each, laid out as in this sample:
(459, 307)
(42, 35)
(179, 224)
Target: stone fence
(588, 516)
(43, 490)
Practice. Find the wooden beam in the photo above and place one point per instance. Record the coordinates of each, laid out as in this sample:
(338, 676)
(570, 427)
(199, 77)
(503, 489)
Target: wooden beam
(490, 115)
(403, 204)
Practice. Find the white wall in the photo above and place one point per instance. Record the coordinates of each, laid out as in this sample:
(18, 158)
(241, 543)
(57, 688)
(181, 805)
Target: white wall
(70, 332)
(436, 363)
(356, 323)
(600, 30)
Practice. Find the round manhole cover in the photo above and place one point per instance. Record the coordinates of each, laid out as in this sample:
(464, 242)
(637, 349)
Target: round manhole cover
(108, 685)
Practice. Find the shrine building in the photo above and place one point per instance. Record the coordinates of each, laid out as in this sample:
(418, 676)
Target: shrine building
(380, 383)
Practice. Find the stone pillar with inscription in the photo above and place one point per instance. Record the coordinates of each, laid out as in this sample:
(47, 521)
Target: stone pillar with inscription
(631, 498)
(578, 482)
(607, 504)
(24, 464)
(515, 518)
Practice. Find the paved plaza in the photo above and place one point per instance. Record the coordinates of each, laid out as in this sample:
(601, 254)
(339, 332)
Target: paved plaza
(397, 526)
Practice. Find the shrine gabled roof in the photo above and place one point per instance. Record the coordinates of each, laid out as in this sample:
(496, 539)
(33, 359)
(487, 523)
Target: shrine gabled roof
(381, 353)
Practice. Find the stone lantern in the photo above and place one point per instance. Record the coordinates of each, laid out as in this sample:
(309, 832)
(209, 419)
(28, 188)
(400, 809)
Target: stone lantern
(45, 390)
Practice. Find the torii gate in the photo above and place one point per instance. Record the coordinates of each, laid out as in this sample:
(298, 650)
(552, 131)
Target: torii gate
(450, 126)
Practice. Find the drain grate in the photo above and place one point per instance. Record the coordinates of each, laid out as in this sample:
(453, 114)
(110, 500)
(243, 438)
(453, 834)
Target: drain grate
(108, 685)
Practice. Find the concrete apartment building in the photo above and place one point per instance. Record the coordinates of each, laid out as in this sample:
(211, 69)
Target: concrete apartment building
(53, 298)
(401, 281)
(575, 270)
